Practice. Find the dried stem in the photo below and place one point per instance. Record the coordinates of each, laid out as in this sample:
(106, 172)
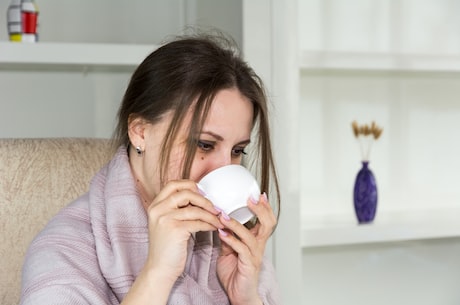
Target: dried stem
(367, 135)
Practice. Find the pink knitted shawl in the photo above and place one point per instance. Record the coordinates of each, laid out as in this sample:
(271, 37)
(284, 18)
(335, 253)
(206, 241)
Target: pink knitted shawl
(92, 251)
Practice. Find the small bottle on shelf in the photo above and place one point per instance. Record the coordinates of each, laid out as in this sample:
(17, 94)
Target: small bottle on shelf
(29, 16)
(14, 21)
(22, 19)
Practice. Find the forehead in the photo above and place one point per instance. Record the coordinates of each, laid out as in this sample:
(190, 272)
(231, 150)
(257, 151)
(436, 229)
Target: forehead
(230, 109)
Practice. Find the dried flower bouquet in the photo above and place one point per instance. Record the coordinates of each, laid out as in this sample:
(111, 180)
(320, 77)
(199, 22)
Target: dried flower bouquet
(366, 135)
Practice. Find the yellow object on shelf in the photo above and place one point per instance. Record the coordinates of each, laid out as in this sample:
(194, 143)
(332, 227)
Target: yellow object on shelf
(16, 37)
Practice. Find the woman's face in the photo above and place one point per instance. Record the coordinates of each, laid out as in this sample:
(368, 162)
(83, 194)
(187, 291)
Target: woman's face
(225, 135)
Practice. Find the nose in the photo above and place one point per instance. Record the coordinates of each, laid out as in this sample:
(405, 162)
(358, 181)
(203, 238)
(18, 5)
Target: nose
(215, 162)
(223, 160)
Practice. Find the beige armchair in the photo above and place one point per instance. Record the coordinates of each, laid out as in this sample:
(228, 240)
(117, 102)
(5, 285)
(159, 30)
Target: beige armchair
(37, 178)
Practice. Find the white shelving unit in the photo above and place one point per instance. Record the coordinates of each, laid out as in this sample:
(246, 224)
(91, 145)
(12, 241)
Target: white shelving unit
(375, 62)
(96, 75)
(47, 55)
(341, 230)
(388, 61)
(389, 226)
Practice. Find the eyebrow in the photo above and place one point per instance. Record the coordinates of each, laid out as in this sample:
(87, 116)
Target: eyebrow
(220, 138)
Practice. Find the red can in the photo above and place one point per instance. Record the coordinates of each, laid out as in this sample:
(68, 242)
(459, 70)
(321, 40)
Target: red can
(29, 16)
(29, 22)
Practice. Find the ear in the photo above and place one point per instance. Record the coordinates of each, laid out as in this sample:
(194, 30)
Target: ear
(136, 131)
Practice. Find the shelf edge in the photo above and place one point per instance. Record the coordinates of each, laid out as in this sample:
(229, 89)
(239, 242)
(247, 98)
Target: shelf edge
(389, 227)
(387, 62)
(72, 54)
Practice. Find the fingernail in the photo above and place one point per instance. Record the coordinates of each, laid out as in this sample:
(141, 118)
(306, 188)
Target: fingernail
(264, 195)
(225, 216)
(222, 232)
(254, 200)
(200, 190)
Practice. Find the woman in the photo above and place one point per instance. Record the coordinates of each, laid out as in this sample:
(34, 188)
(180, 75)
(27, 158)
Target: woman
(145, 233)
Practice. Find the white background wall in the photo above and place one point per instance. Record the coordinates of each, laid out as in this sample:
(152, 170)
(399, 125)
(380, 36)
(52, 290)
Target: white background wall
(417, 272)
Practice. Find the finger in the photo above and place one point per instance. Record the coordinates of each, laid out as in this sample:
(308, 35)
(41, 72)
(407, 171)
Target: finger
(230, 245)
(191, 213)
(184, 198)
(176, 186)
(194, 226)
(244, 239)
(265, 215)
(225, 248)
(189, 227)
(179, 194)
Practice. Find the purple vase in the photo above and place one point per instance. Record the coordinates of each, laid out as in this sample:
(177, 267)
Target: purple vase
(365, 194)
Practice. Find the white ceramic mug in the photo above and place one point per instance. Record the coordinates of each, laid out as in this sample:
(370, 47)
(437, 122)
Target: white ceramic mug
(229, 188)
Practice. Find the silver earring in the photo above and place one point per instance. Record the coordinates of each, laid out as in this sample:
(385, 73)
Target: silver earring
(139, 151)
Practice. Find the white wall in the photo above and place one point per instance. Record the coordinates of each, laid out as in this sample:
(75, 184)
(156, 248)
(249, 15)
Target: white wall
(418, 272)
(74, 104)
(136, 21)
(410, 26)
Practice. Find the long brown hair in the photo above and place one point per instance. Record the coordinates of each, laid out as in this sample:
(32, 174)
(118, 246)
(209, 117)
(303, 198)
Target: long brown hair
(188, 72)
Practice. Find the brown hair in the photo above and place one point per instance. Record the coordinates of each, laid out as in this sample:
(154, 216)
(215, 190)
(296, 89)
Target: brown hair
(189, 69)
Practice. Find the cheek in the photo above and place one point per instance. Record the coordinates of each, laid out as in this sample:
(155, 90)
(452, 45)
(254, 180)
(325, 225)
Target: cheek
(200, 167)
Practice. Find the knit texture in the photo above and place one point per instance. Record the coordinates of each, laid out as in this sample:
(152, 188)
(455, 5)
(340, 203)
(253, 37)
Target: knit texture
(92, 251)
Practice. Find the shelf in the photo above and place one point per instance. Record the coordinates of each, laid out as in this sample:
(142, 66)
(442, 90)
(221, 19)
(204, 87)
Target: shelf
(383, 62)
(67, 55)
(387, 227)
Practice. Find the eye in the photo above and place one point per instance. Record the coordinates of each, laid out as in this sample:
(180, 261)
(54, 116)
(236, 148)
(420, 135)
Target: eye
(205, 145)
(238, 151)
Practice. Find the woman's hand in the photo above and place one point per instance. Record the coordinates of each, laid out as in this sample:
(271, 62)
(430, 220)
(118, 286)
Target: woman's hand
(239, 263)
(177, 211)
